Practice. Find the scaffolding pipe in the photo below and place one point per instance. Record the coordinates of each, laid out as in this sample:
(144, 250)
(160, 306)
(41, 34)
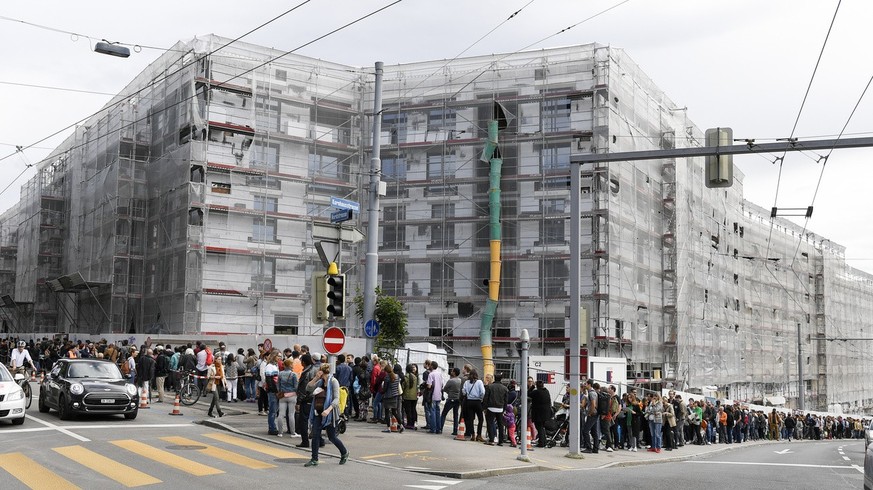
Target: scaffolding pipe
(491, 154)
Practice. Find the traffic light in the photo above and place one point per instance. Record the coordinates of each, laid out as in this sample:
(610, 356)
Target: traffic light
(336, 295)
(319, 299)
(719, 168)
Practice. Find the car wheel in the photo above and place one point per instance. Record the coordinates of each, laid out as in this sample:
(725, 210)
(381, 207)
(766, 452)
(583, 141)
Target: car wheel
(131, 415)
(18, 421)
(64, 409)
(43, 408)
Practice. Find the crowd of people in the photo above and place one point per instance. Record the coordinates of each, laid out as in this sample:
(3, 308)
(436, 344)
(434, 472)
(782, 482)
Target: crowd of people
(294, 390)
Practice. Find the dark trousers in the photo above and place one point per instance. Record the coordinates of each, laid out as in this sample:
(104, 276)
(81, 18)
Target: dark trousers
(495, 423)
(410, 413)
(302, 421)
(472, 408)
(353, 397)
(331, 435)
(263, 402)
(541, 432)
(452, 405)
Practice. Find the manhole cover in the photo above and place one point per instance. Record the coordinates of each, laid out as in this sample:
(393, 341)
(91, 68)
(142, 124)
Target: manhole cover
(184, 447)
(371, 437)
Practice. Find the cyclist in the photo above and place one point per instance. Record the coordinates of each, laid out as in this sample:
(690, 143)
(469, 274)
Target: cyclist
(20, 356)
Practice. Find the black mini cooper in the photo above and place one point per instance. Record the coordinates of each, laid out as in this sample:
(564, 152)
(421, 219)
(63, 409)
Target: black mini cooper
(83, 386)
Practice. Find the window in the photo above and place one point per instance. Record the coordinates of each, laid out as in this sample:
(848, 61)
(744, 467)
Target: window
(552, 328)
(556, 115)
(326, 166)
(265, 156)
(263, 182)
(393, 230)
(552, 232)
(286, 324)
(263, 274)
(221, 188)
(442, 278)
(441, 119)
(554, 158)
(267, 114)
(501, 328)
(282, 76)
(394, 169)
(264, 230)
(553, 206)
(439, 327)
(396, 125)
(393, 278)
(265, 203)
(553, 275)
(442, 234)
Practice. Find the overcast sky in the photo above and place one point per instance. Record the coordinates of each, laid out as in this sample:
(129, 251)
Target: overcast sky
(743, 64)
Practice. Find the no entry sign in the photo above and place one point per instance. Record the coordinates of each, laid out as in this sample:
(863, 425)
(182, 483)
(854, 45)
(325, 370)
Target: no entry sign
(333, 341)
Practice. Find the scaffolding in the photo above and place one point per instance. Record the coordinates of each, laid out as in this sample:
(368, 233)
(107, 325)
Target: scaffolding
(188, 205)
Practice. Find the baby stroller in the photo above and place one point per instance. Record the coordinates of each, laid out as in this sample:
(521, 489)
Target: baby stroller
(557, 429)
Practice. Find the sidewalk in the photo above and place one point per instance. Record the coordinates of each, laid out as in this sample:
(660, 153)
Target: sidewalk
(441, 455)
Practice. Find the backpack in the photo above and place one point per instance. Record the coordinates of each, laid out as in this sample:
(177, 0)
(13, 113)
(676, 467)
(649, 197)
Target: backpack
(603, 403)
(125, 367)
(209, 358)
(343, 398)
(256, 371)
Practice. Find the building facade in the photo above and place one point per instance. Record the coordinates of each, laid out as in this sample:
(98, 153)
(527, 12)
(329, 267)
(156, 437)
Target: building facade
(187, 206)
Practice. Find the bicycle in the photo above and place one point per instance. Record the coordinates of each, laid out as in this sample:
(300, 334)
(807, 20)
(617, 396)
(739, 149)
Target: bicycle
(189, 392)
(24, 383)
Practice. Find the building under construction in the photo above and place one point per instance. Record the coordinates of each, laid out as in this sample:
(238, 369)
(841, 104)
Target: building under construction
(187, 206)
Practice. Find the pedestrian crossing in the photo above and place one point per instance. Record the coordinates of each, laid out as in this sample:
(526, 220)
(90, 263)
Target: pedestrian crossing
(130, 463)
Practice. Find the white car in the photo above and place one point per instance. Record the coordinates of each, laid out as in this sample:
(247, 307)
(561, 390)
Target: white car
(12, 400)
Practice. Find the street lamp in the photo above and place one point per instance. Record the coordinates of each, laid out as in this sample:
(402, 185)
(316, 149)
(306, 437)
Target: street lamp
(105, 47)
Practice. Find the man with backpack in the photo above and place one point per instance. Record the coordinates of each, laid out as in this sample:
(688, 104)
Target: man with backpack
(604, 413)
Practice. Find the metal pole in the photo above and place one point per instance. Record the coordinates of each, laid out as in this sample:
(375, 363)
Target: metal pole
(575, 307)
(371, 269)
(522, 407)
(800, 387)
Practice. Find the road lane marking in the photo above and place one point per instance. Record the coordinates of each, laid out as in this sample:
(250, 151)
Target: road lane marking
(846, 458)
(127, 476)
(222, 454)
(58, 428)
(443, 482)
(114, 427)
(254, 446)
(426, 487)
(378, 455)
(415, 452)
(860, 470)
(167, 458)
(754, 463)
(376, 461)
(33, 474)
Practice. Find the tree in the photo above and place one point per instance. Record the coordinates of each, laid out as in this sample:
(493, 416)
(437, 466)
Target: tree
(392, 321)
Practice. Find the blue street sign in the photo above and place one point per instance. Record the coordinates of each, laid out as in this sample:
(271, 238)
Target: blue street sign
(341, 215)
(371, 329)
(345, 204)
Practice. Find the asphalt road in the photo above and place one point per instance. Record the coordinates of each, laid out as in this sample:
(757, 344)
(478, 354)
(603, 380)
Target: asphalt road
(108, 452)
(796, 465)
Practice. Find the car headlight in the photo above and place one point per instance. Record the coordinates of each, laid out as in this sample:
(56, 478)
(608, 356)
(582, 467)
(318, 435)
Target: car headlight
(15, 395)
(77, 389)
(131, 389)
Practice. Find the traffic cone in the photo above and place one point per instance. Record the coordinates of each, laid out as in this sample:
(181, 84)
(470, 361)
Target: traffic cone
(176, 408)
(143, 399)
(461, 430)
(41, 376)
(529, 445)
(394, 425)
(33, 376)
(369, 413)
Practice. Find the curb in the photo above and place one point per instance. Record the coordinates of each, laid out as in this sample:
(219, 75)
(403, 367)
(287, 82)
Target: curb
(214, 424)
(472, 475)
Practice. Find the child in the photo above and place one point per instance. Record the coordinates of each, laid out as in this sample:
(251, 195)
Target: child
(509, 417)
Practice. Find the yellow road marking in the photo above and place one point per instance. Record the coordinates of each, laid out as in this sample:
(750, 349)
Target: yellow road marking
(127, 476)
(254, 446)
(222, 454)
(33, 474)
(415, 452)
(167, 458)
(374, 456)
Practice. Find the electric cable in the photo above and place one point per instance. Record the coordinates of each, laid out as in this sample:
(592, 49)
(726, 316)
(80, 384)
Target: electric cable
(800, 111)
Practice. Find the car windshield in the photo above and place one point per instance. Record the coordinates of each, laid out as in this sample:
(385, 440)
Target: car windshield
(102, 370)
(4, 374)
